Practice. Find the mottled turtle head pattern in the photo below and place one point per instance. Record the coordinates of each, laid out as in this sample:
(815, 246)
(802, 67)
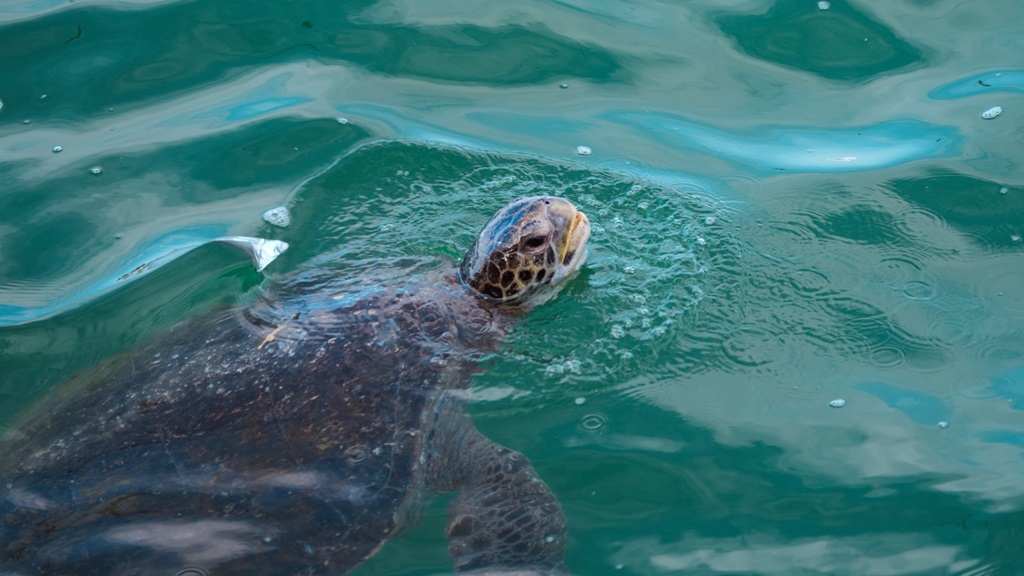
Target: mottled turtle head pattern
(526, 251)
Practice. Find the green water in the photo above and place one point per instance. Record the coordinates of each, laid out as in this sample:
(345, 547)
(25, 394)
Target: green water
(791, 206)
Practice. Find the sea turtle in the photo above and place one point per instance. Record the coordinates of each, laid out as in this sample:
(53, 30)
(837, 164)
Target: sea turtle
(296, 434)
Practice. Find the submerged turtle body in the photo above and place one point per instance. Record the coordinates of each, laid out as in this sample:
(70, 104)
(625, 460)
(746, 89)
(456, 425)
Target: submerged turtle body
(298, 434)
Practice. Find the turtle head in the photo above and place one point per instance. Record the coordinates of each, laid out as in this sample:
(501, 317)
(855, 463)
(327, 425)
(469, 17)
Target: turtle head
(527, 251)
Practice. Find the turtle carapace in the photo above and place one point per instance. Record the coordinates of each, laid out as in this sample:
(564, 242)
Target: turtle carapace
(297, 434)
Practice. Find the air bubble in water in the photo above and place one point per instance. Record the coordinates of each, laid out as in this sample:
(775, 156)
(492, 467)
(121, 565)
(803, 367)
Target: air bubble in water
(943, 424)
(57, 148)
(837, 403)
(580, 401)
(97, 170)
(823, 5)
(584, 150)
(278, 216)
(1002, 190)
(992, 112)
(342, 120)
(563, 85)
(709, 220)
(1015, 237)
(557, 368)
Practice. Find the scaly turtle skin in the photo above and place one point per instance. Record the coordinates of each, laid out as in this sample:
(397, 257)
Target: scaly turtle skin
(296, 435)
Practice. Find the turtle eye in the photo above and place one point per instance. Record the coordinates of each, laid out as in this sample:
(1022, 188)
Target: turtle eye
(534, 242)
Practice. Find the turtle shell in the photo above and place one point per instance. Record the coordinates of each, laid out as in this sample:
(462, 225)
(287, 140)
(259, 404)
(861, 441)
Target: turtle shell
(294, 434)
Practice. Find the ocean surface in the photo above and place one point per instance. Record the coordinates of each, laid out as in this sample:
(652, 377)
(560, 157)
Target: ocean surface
(797, 347)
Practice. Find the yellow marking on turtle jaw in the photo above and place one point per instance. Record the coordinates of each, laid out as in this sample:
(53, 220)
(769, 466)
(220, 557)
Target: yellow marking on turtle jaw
(576, 219)
(270, 337)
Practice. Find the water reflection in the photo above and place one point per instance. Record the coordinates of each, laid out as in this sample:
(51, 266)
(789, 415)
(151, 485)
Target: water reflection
(985, 212)
(1010, 386)
(201, 542)
(983, 83)
(198, 44)
(31, 303)
(718, 505)
(838, 43)
(140, 212)
(879, 554)
(800, 148)
(920, 407)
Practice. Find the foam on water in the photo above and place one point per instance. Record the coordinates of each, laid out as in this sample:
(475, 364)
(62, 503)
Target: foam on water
(278, 216)
(992, 112)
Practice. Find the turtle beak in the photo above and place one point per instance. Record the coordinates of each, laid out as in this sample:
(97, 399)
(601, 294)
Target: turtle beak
(575, 237)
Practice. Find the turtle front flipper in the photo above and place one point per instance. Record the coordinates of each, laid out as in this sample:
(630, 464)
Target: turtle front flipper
(504, 519)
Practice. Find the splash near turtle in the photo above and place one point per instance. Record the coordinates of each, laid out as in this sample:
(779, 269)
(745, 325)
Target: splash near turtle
(298, 433)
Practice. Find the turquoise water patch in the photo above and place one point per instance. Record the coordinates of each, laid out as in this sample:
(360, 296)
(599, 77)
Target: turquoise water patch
(921, 408)
(1010, 386)
(1004, 437)
(984, 83)
(801, 148)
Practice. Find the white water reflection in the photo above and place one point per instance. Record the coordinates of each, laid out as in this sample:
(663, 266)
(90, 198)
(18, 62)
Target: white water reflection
(884, 432)
(804, 148)
(159, 252)
(202, 542)
(879, 554)
(17, 10)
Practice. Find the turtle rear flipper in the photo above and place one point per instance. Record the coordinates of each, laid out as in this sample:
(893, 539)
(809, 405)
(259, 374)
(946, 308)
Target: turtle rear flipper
(504, 519)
